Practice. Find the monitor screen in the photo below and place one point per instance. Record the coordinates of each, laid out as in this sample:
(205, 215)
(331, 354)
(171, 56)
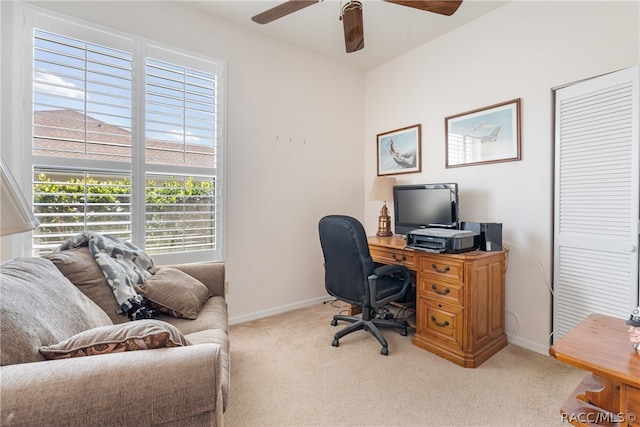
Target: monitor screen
(425, 205)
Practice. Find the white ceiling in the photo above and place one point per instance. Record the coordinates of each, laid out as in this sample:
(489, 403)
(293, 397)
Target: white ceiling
(389, 29)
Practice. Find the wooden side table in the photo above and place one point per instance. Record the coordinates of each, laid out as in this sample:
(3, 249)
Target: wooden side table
(610, 394)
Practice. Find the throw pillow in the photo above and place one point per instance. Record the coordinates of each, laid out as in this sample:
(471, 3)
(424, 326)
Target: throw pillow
(139, 335)
(79, 266)
(39, 306)
(174, 292)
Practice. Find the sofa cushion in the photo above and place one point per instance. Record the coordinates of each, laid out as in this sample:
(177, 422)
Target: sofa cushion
(174, 292)
(213, 315)
(40, 306)
(79, 266)
(143, 334)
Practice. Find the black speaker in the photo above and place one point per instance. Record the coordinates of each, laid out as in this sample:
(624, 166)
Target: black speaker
(490, 234)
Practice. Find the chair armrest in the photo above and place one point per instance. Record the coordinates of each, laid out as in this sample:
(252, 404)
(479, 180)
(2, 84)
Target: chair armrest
(212, 274)
(129, 388)
(388, 270)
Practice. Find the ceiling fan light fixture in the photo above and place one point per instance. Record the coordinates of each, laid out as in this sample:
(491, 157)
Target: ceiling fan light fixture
(351, 16)
(353, 26)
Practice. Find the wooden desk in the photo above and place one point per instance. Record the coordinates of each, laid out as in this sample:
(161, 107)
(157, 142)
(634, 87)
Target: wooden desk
(459, 299)
(391, 250)
(610, 394)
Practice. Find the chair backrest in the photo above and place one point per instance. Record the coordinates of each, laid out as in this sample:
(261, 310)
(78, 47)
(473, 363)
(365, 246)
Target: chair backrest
(347, 261)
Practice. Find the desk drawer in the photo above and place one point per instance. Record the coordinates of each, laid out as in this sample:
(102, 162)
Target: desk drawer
(439, 291)
(441, 268)
(392, 256)
(440, 321)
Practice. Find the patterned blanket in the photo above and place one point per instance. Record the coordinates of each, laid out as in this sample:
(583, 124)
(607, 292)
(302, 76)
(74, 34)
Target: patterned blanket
(123, 265)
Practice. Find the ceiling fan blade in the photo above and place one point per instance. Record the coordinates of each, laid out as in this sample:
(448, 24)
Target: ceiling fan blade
(353, 26)
(443, 7)
(281, 10)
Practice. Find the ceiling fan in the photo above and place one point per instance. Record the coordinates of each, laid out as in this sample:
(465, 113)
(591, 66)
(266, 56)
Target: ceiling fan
(352, 15)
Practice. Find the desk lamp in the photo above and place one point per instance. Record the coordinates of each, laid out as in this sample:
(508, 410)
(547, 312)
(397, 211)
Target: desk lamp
(382, 190)
(16, 215)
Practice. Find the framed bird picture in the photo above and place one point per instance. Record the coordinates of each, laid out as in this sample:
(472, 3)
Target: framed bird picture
(399, 151)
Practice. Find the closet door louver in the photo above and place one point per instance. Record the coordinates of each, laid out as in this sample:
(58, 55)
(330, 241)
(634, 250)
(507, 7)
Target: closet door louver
(596, 199)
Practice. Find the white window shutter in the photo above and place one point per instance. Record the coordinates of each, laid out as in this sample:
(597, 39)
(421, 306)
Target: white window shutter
(126, 140)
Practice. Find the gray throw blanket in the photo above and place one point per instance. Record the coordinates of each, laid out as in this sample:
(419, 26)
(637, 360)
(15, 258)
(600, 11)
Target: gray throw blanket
(123, 265)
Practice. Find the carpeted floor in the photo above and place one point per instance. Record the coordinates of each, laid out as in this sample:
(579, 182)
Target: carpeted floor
(284, 372)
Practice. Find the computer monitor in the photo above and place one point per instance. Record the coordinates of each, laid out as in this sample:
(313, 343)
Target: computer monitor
(425, 205)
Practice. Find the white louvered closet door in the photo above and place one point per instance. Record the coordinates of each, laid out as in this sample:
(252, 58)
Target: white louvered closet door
(596, 198)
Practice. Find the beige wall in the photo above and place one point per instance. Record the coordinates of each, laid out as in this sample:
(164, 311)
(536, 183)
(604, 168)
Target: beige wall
(295, 132)
(521, 50)
(301, 135)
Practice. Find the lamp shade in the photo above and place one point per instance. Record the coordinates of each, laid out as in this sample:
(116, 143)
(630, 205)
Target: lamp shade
(16, 215)
(382, 188)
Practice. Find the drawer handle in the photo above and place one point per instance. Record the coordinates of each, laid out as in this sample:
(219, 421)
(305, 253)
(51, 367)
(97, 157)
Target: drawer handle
(435, 289)
(442, 325)
(402, 259)
(435, 267)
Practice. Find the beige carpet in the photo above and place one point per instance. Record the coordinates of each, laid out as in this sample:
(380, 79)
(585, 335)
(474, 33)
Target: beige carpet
(284, 372)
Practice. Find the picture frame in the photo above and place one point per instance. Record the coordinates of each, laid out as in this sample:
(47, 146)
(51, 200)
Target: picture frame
(484, 135)
(400, 151)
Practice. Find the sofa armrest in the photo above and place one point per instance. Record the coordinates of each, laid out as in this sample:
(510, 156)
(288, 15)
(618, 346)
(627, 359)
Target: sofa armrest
(144, 387)
(212, 274)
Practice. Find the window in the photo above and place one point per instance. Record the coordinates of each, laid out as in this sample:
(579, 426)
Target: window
(126, 140)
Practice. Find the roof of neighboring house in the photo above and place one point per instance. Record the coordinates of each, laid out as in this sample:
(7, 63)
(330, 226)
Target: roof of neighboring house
(69, 133)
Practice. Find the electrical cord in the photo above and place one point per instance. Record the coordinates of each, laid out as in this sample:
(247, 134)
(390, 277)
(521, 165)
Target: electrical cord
(544, 275)
(517, 321)
(508, 246)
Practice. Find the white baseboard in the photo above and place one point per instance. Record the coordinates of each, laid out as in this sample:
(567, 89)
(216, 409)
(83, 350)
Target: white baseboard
(529, 345)
(278, 310)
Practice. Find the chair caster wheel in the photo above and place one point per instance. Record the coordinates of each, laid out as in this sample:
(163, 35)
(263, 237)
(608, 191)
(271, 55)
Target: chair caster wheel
(384, 351)
(335, 343)
(403, 333)
(334, 322)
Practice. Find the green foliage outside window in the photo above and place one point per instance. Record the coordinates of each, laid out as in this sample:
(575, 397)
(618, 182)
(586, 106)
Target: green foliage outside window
(74, 205)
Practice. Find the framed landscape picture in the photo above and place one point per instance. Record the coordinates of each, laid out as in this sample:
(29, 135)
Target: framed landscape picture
(486, 135)
(399, 151)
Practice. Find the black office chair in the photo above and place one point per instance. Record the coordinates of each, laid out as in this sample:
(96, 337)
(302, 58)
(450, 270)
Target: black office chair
(351, 276)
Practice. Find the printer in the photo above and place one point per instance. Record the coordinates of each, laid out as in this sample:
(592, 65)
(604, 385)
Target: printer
(441, 240)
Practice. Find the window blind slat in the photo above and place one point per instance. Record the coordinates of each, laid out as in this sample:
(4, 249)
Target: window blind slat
(83, 101)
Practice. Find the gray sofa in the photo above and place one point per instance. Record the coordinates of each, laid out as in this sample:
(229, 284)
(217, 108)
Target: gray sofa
(61, 307)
